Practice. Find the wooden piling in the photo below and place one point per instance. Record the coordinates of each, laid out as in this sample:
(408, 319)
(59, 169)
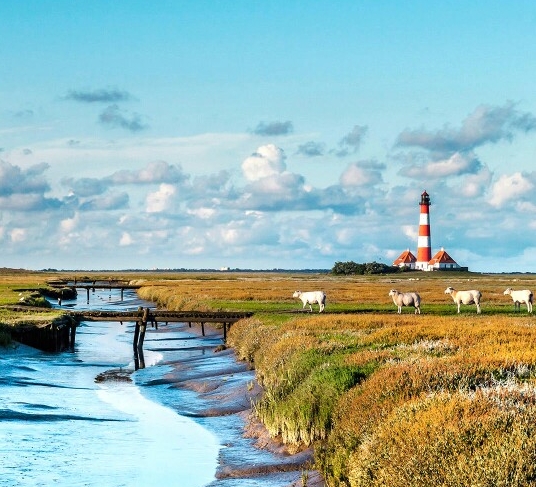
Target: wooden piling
(143, 328)
(136, 335)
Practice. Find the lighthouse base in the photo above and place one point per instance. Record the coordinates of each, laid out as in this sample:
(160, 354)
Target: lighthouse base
(423, 266)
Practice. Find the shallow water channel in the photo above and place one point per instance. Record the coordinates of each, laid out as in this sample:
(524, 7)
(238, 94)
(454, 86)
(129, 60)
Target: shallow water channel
(60, 427)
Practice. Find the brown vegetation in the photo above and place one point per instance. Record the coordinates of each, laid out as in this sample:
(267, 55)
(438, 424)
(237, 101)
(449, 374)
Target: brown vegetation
(385, 399)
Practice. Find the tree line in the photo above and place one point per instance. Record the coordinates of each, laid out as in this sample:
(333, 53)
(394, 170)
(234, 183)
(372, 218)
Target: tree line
(350, 267)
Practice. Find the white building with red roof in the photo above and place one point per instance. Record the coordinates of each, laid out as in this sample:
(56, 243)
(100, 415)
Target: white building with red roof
(442, 261)
(406, 259)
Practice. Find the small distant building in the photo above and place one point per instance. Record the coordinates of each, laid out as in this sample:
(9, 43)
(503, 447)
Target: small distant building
(442, 261)
(406, 259)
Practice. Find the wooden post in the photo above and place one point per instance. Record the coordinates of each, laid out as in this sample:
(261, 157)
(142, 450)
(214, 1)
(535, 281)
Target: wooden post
(224, 332)
(137, 332)
(143, 327)
(136, 335)
(87, 291)
(139, 359)
(122, 294)
(202, 328)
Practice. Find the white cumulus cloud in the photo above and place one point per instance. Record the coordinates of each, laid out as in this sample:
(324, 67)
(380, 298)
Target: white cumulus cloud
(126, 239)
(268, 160)
(509, 187)
(161, 199)
(18, 235)
(362, 174)
(69, 224)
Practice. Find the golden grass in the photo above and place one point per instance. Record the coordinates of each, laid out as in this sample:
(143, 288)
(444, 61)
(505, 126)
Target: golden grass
(385, 399)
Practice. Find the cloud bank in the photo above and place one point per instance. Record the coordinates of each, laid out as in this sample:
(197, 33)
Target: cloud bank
(263, 211)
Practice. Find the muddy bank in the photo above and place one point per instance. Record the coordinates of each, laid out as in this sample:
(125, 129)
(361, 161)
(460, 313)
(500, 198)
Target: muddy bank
(218, 391)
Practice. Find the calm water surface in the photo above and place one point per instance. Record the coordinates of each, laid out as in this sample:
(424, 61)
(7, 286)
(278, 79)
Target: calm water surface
(58, 427)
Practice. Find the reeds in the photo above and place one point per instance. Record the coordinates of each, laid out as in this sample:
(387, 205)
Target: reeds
(387, 400)
(348, 383)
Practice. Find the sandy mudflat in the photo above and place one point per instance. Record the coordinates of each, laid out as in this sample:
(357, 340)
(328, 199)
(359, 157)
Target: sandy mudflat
(221, 391)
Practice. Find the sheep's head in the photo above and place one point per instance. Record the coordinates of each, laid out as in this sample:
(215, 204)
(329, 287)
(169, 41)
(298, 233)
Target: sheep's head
(508, 291)
(449, 290)
(393, 292)
(296, 294)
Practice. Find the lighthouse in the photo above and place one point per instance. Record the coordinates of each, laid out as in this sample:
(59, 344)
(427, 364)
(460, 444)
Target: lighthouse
(424, 245)
(424, 260)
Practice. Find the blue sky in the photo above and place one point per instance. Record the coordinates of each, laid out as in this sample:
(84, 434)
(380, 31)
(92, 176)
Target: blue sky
(264, 135)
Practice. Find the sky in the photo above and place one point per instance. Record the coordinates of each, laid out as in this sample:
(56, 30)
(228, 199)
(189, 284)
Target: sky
(265, 134)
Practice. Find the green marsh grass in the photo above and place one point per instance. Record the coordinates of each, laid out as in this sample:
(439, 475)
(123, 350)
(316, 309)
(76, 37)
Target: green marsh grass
(441, 398)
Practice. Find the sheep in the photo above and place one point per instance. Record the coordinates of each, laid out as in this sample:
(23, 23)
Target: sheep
(312, 297)
(465, 297)
(406, 299)
(524, 296)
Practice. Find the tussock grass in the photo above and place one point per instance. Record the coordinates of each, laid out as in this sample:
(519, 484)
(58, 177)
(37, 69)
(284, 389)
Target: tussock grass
(450, 440)
(385, 399)
(388, 399)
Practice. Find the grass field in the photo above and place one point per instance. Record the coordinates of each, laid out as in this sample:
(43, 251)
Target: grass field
(437, 399)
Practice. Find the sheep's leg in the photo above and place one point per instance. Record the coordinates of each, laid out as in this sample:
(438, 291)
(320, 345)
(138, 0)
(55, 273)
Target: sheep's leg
(478, 308)
(458, 307)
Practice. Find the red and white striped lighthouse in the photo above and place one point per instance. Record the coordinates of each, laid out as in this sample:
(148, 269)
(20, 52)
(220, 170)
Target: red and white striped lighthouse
(424, 245)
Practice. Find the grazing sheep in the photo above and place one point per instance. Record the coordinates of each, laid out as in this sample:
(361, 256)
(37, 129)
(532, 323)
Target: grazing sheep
(524, 296)
(312, 297)
(465, 297)
(406, 299)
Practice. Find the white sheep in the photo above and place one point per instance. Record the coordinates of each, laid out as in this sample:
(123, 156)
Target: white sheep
(312, 297)
(465, 297)
(406, 299)
(524, 296)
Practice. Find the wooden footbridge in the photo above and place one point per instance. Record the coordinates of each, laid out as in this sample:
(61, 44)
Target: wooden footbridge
(60, 334)
(92, 285)
(145, 316)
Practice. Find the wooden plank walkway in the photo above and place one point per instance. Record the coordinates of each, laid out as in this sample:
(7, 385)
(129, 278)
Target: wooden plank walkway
(226, 318)
(96, 285)
(142, 317)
